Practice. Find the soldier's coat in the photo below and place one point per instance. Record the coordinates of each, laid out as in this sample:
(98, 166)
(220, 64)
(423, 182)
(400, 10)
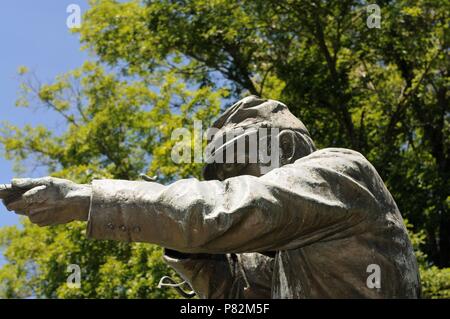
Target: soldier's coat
(326, 218)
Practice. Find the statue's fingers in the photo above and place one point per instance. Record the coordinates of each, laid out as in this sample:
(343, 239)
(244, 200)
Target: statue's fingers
(49, 216)
(41, 218)
(16, 205)
(36, 195)
(46, 217)
(29, 183)
(29, 200)
(11, 198)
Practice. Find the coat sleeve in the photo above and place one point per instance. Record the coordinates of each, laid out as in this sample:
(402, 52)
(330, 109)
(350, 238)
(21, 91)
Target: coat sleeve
(320, 196)
(229, 276)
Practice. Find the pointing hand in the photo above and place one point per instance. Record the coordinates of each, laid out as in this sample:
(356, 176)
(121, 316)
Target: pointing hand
(48, 201)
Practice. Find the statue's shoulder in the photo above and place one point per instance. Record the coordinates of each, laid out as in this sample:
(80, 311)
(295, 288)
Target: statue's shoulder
(340, 160)
(338, 154)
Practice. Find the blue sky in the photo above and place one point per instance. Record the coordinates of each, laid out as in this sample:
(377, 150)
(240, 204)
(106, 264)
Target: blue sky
(33, 34)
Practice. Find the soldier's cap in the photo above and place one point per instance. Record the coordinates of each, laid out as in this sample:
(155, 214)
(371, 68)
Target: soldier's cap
(247, 116)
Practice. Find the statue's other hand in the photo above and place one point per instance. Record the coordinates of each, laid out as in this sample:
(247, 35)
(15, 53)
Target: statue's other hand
(50, 201)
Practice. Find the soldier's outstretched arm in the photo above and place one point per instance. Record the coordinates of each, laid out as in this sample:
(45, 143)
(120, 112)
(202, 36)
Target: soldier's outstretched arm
(318, 197)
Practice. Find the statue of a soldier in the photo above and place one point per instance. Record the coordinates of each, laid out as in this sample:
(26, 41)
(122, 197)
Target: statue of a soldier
(321, 225)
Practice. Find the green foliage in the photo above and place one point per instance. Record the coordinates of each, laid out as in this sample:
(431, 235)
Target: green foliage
(383, 92)
(435, 281)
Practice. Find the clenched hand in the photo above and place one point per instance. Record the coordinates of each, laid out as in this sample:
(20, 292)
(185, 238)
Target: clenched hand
(49, 201)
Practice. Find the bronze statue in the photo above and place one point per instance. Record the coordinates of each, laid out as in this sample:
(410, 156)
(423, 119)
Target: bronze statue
(314, 227)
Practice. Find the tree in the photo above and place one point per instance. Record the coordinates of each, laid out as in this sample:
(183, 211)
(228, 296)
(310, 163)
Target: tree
(383, 92)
